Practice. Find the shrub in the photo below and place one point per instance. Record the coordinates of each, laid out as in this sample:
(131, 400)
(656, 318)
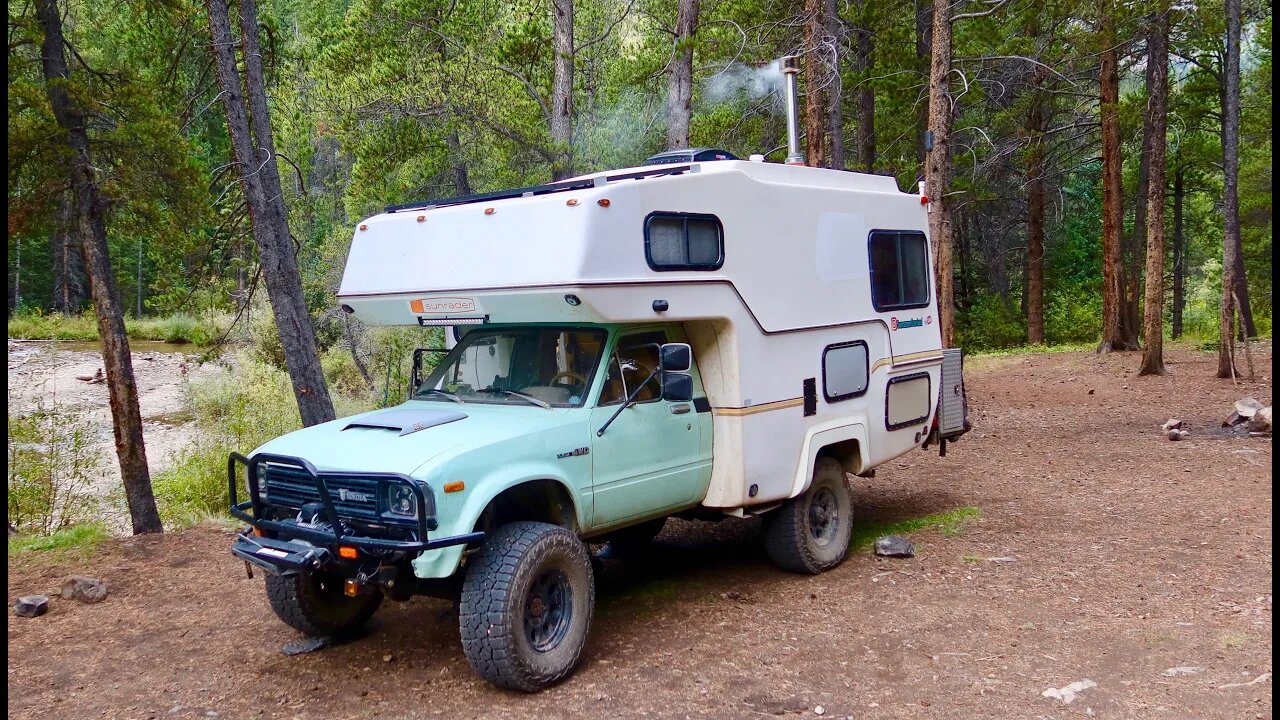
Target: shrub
(990, 322)
(52, 466)
(179, 328)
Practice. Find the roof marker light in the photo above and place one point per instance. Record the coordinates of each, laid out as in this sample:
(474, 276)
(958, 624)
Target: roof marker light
(488, 211)
(603, 202)
(364, 227)
(571, 202)
(422, 218)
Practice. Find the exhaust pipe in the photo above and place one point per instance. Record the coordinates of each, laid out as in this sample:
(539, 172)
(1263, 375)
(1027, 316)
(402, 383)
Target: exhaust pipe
(791, 68)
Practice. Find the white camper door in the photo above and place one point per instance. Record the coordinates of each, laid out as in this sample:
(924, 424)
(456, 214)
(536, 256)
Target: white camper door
(650, 457)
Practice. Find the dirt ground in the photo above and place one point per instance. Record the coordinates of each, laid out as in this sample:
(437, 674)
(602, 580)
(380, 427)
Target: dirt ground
(1132, 556)
(42, 372)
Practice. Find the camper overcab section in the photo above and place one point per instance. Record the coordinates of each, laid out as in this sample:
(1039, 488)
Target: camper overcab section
(706, 339)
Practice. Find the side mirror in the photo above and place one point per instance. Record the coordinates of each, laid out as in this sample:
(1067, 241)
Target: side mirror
(676, 357)
(677, 386)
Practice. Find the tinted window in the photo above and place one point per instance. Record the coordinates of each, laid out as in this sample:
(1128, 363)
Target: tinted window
(682, 241)
(899, 270)
(844, 371)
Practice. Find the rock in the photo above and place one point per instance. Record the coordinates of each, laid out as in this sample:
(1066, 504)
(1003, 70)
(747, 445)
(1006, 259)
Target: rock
(1182, 670)
(1171, 424)
(1233, 419)
(895, 546)
(1247, 406)
(84, 589)
(1261, 420)
(1177, 434)
(1002, 560)
(30, 606)
(1068, 694)
(819, 710)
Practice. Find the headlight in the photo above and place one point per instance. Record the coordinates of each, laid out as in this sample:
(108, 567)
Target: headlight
(262, 481)
(401, 500)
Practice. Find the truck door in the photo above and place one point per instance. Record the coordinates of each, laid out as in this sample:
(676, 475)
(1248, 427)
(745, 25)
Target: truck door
(651, 457)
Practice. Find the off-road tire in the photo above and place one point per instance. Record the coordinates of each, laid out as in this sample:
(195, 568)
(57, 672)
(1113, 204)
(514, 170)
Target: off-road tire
(314, 603)
(636, 538)
(499, 620)
(810, 532)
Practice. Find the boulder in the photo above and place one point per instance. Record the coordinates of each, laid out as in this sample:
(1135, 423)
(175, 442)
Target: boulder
(1176, 434)
(895, 546)
(84, 589)
(30, 606)
(1171, 424)
(1247, 406)
(1261, 420)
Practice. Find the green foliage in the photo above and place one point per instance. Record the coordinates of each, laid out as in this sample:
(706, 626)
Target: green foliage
(80, 539)
(201, 330)
(52, 465)
(949, 523)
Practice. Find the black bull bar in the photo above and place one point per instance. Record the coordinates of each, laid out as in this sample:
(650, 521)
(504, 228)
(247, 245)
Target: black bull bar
(280, 555)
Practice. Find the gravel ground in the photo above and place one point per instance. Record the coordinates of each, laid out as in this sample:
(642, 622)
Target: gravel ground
(1130, 556)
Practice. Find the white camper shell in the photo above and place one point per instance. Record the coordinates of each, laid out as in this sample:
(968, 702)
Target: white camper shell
(807, 296)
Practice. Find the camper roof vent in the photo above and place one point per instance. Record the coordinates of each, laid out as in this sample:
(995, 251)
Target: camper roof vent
(689, 155)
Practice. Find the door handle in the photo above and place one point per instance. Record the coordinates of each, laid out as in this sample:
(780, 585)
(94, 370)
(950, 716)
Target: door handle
(679, 409)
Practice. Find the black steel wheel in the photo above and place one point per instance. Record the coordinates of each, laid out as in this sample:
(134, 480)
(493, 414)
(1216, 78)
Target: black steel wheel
(810, 533)
(315, 604)
(526, 606)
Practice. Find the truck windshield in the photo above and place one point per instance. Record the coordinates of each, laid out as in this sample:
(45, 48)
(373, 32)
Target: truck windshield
(510, 366)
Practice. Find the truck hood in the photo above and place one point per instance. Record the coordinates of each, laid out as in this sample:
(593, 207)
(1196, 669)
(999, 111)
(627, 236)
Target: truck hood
(404, 438)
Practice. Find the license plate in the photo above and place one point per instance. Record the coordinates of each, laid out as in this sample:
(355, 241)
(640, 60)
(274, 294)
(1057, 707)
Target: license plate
(272, 552)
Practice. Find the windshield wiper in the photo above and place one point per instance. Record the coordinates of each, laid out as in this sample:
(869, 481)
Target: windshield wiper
(437, 391)
(522, 396)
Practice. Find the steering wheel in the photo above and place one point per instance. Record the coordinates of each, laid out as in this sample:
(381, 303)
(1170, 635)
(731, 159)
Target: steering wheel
(580, 379)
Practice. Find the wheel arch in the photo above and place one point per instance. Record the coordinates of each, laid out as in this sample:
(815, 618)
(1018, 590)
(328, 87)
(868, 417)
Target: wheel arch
(842, 440)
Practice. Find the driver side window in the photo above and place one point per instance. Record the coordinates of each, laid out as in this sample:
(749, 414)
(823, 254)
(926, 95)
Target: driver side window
(634, 359)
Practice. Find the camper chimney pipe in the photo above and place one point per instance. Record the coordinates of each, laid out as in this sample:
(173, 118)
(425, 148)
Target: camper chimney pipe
(791, 68)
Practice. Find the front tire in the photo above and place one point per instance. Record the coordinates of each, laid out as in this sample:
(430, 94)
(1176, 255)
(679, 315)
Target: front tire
(810, 533)
(315, 604)
(526, 606)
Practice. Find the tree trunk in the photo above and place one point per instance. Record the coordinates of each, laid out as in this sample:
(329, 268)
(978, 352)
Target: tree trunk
(680, 80)
(1179, 252)
(461, 180)
(68, 267)
(254, 153)
(1231, 250)
(924, 43)
(1136, 241)
(835, 101)
(1112, 185)
(817, 78)
(864, 59)
(90, 210)
(937, 168)
(562, 88)
(1157, 111)
(1035, 221)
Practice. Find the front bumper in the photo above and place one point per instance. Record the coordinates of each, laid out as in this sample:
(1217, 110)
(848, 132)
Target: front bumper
(286, 547)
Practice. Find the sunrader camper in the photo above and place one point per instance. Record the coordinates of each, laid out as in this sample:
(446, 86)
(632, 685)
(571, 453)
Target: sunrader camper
(705, 339)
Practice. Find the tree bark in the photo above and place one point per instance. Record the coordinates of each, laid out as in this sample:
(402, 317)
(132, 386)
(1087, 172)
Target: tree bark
(461, 180)
(1157, 112)
(924, 44)
(864, 59)
(1231, 249)
(937, 168)
(1035, 216)
(834, 30)
(1136, 240)
(1179, 252)
(817, 77)
(562, 88)
(254, 153)
(1112, 184)
(680, 79)
(90, 210)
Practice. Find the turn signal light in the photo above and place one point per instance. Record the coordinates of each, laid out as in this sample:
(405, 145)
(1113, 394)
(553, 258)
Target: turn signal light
(350, 589)
(455, 486)
(349, 553)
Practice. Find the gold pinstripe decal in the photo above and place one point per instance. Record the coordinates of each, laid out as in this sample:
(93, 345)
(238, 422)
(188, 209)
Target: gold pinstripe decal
(766, 407)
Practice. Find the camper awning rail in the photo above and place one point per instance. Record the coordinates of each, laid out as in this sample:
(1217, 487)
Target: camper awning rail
(546, 189)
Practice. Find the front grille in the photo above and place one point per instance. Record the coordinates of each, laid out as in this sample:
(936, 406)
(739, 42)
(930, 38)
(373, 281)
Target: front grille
(292, 488)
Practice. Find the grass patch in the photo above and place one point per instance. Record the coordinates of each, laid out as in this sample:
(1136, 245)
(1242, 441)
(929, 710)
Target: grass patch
(178, 328)
(1033, 350)
(949, 523)
(83, 538)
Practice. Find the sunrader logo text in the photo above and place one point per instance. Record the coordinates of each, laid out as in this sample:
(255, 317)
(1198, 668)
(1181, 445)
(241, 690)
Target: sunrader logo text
(895, 323)
(444, 305)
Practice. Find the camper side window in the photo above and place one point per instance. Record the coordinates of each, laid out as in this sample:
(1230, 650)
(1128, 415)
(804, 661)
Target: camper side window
(683, 241)
(899, 269)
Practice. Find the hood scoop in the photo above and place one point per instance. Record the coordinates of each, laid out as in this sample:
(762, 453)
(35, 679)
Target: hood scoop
(405, 421)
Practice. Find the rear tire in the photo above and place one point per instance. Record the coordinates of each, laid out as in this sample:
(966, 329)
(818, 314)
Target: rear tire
(810, 532)
(526, 606)
(315, 604)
